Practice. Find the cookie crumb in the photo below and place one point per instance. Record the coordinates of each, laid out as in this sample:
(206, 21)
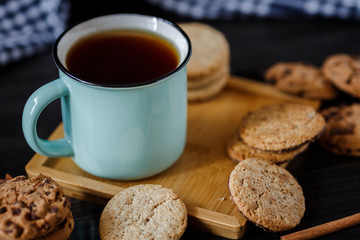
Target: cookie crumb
(8, 176)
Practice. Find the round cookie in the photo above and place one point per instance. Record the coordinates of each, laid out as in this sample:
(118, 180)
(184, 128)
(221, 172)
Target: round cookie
(238, 151)
(62, 231)
(344, 72)
(31, 208)
(300, 79)
(144, 211)
(210, 49)
(342, 131)
(280, 127)
(266, 194)
(207, 92)
(204, 81)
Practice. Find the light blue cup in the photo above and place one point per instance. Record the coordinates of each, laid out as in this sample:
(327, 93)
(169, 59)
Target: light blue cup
(116, 132)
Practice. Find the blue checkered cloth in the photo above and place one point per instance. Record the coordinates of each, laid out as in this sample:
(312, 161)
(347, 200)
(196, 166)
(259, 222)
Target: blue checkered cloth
(283, 9)
(29, 26)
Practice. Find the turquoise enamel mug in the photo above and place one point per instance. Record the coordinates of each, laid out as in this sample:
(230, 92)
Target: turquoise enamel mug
(116, 132)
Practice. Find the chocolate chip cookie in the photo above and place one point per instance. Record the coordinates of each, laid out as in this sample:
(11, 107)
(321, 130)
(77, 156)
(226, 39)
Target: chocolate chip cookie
(300, 79)
(31, 208)
(62, 231)
(343, 71)
(342, 131)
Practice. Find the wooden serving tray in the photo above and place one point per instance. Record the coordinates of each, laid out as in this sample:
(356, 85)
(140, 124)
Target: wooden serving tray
(200, 176)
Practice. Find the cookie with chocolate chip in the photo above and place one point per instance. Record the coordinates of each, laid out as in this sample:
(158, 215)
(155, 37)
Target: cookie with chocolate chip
(300, 79)
(62, 231)
(31, 208)
(343, 71)
(342, 131)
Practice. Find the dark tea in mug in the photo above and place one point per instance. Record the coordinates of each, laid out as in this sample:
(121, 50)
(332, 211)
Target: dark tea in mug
(121, 58)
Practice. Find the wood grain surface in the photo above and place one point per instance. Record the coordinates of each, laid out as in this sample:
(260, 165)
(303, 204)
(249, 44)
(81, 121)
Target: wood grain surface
(200, 175)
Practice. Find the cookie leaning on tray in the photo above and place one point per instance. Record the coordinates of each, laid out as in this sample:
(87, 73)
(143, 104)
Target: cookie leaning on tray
(267, 195)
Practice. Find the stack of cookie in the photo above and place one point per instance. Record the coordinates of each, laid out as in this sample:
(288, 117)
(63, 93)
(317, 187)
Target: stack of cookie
(238, 151)
(265, 193)
(300, 79)
(209, 67)
(276, 132)
(34, 208)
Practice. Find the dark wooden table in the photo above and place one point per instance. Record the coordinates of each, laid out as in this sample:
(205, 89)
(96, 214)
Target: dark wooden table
(331, 184)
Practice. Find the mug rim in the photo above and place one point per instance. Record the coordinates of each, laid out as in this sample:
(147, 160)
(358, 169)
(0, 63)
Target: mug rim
(122, 85)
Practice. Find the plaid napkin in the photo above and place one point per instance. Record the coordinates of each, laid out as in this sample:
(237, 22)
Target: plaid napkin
(28, 26)
(224, 9)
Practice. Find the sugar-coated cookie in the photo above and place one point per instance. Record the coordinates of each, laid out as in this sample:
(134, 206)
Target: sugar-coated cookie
(280, 127)
(300, 79)
(144, 211)
(267, 194)
(342, 131)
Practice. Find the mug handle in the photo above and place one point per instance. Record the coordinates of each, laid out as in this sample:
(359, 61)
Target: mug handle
(32, 110)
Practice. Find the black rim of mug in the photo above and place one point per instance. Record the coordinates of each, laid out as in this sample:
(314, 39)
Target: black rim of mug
(143, 83)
